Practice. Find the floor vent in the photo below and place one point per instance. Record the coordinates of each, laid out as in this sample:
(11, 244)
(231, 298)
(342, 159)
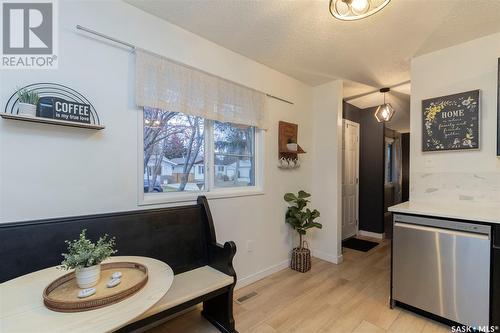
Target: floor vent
(246, 297)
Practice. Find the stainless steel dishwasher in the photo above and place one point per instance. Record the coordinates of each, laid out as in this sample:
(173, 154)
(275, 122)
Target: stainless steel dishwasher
(442, 267)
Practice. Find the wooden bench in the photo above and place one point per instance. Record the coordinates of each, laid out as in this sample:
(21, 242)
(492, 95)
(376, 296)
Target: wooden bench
(183, 237)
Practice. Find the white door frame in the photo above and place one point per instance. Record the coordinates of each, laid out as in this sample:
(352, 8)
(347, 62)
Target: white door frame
(358, 126)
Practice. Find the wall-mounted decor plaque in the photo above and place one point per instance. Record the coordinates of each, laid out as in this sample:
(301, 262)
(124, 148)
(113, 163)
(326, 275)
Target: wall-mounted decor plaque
(57, 104)
(451, 122)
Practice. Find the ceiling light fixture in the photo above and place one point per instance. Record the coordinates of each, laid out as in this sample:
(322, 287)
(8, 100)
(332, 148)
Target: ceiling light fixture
(385, 111)
(350, 10)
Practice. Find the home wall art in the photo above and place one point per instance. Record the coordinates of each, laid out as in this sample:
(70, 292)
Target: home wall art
(451, 122)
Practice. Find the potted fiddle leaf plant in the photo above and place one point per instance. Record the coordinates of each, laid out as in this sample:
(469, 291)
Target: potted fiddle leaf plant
(301, 219)
(28, 100)
(85, 258)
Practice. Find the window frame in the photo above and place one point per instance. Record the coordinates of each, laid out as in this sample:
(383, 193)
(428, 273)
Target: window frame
(388, 162)
(210, 190)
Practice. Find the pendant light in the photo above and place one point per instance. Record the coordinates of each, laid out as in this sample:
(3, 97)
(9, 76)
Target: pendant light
(350, 10)
(385, 111)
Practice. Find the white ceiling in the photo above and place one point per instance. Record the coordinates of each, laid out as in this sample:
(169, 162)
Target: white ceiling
(300, 38)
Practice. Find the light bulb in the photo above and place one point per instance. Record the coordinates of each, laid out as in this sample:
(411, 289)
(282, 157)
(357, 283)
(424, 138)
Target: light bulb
(385, 114)
(342, 7)
(360, 6)
(351, 10)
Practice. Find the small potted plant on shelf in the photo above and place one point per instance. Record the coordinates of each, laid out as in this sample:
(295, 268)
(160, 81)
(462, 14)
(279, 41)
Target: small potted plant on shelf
(28, 100)
(301, 219)
(292, 145)
(85, 258)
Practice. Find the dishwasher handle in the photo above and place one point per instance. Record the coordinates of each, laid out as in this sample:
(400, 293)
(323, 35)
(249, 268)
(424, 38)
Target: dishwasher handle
(467, 227)
(442, 230)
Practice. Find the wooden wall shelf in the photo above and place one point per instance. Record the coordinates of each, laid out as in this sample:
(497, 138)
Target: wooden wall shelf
(50, 121)
(288, 131)
(299, 151)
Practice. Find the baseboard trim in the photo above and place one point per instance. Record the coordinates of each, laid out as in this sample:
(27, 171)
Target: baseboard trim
(371, 234)
(262, 274)
(327, 256)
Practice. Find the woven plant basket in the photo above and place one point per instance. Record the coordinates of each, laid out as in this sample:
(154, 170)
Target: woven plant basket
(301, 258)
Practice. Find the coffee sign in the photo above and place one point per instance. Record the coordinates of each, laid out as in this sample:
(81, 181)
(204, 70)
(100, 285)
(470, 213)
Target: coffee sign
(58, 108)
(57, 102)
(451, 122)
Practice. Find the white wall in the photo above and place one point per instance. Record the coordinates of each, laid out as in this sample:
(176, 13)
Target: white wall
(327, 169)
(50, 171)
(465, 175)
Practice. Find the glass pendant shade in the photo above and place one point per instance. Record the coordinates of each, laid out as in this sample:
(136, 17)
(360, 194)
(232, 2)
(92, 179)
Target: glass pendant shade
(350, 10)
(384, 113)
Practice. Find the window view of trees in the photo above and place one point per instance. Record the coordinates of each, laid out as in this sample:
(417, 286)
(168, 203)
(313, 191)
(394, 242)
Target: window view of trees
(173, 144)
(174, 152)
(233, 155)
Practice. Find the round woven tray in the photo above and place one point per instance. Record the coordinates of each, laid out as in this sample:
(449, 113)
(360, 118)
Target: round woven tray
(62, 294)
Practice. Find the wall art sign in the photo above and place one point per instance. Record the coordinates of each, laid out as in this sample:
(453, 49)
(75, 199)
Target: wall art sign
(59, 108)
(451, 122)
(57, 102)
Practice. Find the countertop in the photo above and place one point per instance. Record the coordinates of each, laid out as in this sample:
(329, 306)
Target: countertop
(469, 211)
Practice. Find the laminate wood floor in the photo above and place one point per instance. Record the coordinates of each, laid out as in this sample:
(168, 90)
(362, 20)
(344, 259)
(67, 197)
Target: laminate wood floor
(350, 297)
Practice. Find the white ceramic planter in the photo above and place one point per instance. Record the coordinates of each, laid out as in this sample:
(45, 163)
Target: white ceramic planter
(292, 146)
(87, 277)
(26, 109)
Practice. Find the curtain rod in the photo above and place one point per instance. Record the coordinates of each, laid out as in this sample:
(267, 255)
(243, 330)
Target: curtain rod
(134, 47)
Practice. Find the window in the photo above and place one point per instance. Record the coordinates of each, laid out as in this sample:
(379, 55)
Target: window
(388, 162)
(173, 145)
(179, 148)
(234, 155)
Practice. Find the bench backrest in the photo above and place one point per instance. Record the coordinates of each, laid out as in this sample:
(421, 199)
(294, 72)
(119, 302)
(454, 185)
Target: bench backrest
(179, 236)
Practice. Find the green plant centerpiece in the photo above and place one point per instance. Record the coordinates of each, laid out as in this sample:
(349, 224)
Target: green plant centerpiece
(28, 101)
(301, 219)
(85, 258)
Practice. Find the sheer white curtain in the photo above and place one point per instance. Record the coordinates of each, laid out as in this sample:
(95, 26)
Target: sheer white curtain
(167, 85)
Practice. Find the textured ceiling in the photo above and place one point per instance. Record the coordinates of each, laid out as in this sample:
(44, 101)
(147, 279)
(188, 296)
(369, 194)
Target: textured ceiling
(300, 38)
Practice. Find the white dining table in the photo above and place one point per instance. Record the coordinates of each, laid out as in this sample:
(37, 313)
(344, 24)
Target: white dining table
(22, 308)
